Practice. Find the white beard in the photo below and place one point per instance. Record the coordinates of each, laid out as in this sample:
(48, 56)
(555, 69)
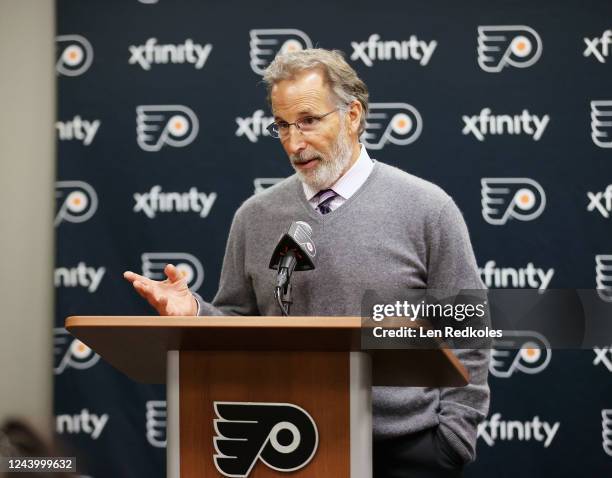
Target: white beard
(329, 169)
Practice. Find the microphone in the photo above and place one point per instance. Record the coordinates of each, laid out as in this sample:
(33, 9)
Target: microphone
(294, 251)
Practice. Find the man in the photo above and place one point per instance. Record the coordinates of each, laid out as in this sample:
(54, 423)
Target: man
(375, 227)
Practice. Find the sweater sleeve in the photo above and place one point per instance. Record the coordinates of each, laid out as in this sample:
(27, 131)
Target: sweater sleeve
(452, 266)
(235, 295)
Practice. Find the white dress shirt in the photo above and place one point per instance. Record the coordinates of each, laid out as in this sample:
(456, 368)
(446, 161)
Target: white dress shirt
(347, 185)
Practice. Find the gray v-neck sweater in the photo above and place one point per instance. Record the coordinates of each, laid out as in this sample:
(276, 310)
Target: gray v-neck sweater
(397, 231)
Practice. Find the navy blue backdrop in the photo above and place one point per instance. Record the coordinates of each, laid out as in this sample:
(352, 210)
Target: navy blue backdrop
(161, 112)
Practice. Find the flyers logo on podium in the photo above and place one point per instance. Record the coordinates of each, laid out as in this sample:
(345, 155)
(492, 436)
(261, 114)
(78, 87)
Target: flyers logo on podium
(74, 55)
(76, 201)
(281, 435)
(158, 125)
(395, 123)
(523, 351)
(267, 43)
(153, 264)
(499, 46)
(69, 352)
(511, 198)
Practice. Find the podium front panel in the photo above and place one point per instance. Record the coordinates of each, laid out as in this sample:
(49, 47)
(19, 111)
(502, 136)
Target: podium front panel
(265, 414)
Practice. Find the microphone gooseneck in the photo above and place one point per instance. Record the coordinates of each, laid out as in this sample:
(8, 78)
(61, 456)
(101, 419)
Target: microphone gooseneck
(293, 252)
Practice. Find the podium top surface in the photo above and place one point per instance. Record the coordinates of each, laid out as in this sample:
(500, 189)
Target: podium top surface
(137, 345)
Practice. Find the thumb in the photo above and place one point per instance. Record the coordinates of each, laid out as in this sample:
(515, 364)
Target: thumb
(173, 273)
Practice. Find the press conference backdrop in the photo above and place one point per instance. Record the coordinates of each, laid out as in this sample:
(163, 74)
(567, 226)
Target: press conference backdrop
(161, 136)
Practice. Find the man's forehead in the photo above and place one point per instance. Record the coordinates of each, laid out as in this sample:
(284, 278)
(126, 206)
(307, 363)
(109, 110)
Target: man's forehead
(305, 92)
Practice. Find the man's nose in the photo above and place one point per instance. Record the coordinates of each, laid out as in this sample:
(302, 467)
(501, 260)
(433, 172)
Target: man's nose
(294, 142)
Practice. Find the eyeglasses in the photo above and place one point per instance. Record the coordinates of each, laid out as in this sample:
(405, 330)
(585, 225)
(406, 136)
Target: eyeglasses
(306, 124)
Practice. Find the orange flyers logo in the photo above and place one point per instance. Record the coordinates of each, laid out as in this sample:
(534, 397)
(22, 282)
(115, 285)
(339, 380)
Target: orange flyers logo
(501, 46)
(511, 198)
(76, 201)
(395, 123)
(74, 55)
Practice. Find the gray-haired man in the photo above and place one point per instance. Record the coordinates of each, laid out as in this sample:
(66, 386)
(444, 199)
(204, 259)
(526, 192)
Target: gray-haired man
(404, 230)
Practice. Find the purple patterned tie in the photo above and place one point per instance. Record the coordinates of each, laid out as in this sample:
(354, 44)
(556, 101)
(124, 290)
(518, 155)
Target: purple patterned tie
(326, 196)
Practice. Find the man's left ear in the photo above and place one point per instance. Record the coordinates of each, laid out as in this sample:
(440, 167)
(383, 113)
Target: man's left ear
(355, 110)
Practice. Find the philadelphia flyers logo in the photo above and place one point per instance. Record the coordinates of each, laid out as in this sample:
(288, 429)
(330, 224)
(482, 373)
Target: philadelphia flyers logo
(282, 435)
(519, 351)
(499, 46)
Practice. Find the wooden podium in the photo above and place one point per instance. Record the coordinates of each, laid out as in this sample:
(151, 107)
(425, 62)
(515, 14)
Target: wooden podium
(263, 396)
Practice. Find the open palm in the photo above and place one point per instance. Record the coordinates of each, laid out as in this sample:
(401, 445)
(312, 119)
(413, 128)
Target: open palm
(168, 297)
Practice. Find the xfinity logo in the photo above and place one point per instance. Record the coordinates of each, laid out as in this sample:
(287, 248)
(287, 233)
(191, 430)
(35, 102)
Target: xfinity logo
(529, 277)
(602, 201)
(281, 435)
(494, 429)
(599, 47)
(78, 129)
(79, 276)
(85, 422)
(486, 123)
(254, 126)
(375, 49)
(603, 356)
(152, 53)
(154, 201)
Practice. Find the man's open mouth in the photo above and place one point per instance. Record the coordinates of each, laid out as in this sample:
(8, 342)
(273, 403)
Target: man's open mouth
(307, 164)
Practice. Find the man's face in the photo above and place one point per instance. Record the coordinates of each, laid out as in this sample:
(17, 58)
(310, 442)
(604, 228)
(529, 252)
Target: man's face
(321, 156)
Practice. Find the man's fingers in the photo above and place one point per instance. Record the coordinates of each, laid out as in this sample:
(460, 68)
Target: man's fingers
(173, 273)
(145, 291)
(138, 287)
(150, 290)
(132, 276)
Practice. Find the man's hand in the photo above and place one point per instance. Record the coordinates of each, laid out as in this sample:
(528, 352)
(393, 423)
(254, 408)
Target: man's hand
(168, 297)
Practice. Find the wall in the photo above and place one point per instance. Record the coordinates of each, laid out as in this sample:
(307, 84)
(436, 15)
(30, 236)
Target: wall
(27, 167)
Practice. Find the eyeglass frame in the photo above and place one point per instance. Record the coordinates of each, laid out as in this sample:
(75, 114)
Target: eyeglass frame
(297, 122)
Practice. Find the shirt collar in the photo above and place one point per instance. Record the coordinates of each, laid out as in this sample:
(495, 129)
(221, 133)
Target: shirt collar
(351, 181)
